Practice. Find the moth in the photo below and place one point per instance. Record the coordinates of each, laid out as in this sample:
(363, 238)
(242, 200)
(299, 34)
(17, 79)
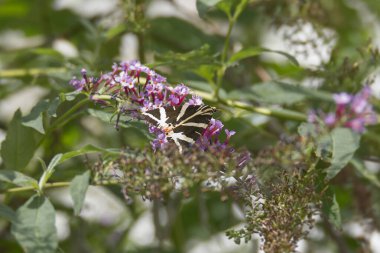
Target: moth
(183, 124)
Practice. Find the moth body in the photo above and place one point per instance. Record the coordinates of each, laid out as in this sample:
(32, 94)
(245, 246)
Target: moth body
(182, 125)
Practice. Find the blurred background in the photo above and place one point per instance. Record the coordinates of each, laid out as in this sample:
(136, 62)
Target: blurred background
(44, 43)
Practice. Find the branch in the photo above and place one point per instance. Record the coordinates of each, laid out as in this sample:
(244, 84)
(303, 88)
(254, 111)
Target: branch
(59, 184)
(30, 72)
(336, 236)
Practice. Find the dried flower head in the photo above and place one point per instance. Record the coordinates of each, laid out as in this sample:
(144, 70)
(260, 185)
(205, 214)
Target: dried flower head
(154, 175)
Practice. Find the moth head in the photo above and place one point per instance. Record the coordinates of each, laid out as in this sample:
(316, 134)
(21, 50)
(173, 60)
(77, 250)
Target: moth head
(168, 129)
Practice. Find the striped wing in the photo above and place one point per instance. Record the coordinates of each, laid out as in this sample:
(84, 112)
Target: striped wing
(187, 121)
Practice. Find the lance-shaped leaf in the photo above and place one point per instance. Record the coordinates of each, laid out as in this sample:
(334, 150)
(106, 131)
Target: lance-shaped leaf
(203, 6)
(344, 144)
(78, 188)
(279, 93)
(331, 210)
(19, 145)
(7, 213)
(34, 227)
(88, 149)
(49, 170)
(35, 117)
(17, 178)
(256, 51)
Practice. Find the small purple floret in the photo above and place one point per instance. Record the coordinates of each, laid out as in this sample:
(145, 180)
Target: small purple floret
(159, 142)
(330, 119)
(342, 98)
(195, 100)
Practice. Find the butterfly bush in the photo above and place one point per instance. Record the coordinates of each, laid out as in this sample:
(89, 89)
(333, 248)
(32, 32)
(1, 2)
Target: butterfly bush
(352, 111)
(138, 89)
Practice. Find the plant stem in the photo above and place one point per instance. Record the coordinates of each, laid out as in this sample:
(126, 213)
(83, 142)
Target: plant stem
(276, 112)
(279, 113)
(336, 236)
(64, 118)
(47, 185)
(222, 70)
(30, 72)
(56, 185)
(231, 23)
(68, 113)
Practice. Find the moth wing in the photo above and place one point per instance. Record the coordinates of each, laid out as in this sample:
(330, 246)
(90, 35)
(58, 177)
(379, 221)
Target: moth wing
(193, 126)
(152, 117)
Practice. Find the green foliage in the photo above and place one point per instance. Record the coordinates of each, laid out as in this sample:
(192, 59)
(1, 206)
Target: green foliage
(298, 169)
(78, 188)
(17, 178)
(332, 211)
(19, 145)
(7, 213)
(34, 227)
(344, 144)
(49, 170)
(251, 52)
(278, 93)
(363, 171)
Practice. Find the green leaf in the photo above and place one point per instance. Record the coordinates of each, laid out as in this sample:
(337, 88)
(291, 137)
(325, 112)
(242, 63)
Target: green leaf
(111, 118)
(203, 6)
(332, 211)
(7, 213)
(324, 147)
(255, 51)
(239, 8)
(47, 52)
(52, 110)
(70, 96)
(78, 188)
(226, 6)
(54, 162)
(49, 170)
(19, 145)
(307, 130)
(84, 150)
(116, 31)
(279, 93)
(364, 172)
(17, 178)
(344, 144)
(187, 61)
(161, 29)
(199, 86)
(35, 118)
(35, 228)
(207, 72)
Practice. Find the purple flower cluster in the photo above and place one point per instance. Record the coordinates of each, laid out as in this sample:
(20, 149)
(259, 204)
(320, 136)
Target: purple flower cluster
(352, 111)
(210, 139)
(145, 90)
